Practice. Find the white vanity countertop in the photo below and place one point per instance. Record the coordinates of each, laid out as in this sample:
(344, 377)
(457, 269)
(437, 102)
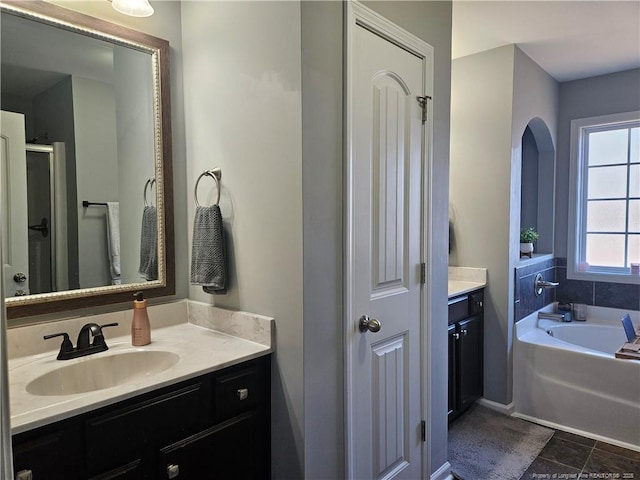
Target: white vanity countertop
(465, 280)
(201, 351)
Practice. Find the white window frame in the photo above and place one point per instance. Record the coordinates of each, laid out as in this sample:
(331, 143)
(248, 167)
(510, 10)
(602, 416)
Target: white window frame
(577, 200)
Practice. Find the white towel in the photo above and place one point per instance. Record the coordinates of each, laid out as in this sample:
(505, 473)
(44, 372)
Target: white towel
(113, 241)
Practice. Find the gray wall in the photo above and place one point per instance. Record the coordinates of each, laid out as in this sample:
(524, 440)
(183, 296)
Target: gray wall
(135, 135)
(495, 95)
(96, 174)
(529, 193)
(243, 112)
(590, 97)
(322, 153)
(481, 108)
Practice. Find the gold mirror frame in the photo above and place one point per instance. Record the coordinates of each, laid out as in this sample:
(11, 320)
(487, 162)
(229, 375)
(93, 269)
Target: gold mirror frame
(39, 11)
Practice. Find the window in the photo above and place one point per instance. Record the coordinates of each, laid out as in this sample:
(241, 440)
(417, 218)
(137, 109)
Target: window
(604, 206)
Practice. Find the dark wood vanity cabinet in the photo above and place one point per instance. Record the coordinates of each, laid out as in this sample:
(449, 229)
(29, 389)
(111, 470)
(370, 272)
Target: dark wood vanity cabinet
(52, 451)
(213, 426)
(466, 353)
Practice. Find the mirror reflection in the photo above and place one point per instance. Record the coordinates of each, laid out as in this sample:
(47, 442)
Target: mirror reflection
(78, 160)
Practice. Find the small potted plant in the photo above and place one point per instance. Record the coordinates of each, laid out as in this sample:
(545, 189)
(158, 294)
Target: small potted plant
(527, 237)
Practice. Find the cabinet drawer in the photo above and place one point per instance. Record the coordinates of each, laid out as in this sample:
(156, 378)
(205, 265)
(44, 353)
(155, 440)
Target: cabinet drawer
(458, 308)
(228, 450)
(238, 392)
(127, 434)
(131, 471)
(476, 302)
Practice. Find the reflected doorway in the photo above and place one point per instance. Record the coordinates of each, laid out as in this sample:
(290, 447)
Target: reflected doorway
(46, 207)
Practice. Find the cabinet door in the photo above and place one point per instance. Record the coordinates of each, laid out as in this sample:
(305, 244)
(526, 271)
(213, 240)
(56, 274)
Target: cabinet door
(452, 370)
(55, 452)
(471, 360)
(234, 449)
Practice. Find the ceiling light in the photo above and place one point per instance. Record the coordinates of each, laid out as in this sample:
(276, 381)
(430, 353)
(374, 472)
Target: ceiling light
(134, 8)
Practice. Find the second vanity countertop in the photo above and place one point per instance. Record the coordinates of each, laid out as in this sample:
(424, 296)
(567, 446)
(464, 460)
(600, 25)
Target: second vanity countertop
(200, 351)
(465, 279)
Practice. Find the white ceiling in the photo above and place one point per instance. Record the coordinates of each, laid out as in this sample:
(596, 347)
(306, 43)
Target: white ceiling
(568, 39)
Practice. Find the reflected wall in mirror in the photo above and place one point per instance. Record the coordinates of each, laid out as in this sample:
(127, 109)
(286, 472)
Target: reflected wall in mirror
(86, 160)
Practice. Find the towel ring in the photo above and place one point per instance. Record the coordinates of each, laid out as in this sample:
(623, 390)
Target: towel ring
(216, 174)
(148, 184)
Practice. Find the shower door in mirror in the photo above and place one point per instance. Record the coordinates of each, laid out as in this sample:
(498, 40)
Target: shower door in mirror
(47, 218)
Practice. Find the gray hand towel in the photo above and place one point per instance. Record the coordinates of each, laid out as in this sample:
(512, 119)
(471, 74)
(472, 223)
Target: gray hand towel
(208, 252)
(149, 244)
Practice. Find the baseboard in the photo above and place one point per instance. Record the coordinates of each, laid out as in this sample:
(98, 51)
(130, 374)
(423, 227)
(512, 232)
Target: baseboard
(443, 473)
(498, 407)
(582, 433)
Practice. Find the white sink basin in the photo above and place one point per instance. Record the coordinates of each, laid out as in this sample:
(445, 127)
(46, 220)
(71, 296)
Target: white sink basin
(102, 371)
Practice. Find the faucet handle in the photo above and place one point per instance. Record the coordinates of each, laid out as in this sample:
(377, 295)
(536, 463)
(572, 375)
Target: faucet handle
(66, 345)
(98, 339)
(109, 325)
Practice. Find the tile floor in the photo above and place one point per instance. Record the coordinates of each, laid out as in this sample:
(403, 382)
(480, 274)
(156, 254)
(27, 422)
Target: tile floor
(569, 456)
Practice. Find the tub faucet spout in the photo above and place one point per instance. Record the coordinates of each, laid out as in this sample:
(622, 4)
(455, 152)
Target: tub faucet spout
(558, 317)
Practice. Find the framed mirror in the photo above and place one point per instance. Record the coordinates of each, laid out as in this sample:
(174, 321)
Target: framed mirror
(86, 172)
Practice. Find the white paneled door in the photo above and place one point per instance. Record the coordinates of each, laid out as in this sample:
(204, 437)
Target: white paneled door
(388, 70)
(13, 176)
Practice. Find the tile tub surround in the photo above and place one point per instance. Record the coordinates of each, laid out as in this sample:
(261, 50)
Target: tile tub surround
(201, 350)
(526, 301)
(601, 294)
(465, 280)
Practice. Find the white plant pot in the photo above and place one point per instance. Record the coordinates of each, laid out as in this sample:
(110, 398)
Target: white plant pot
(526, 249)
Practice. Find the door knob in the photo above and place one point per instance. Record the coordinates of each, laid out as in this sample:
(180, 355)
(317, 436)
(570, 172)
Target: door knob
(370, 324)
(19, 277)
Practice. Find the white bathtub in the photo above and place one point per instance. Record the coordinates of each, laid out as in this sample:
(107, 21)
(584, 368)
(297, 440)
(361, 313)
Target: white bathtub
(571, 379)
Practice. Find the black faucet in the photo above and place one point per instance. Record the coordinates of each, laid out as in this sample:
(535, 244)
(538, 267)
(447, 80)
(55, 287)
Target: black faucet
(83, 347)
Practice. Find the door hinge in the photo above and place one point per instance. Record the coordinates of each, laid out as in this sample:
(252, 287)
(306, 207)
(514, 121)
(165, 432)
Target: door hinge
(422, 101)
(423, 430)
(423, 273)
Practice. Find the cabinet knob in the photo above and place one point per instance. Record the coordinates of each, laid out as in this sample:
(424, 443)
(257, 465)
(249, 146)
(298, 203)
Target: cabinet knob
(173, 471)
(24, 475)
(456, 336)
(465, 331)
(243, 393)
(19, 277)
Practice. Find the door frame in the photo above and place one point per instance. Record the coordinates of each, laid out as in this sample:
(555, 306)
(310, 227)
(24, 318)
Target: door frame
(356, 15)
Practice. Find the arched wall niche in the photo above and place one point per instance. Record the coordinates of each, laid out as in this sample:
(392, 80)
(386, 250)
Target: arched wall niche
(538, 183)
